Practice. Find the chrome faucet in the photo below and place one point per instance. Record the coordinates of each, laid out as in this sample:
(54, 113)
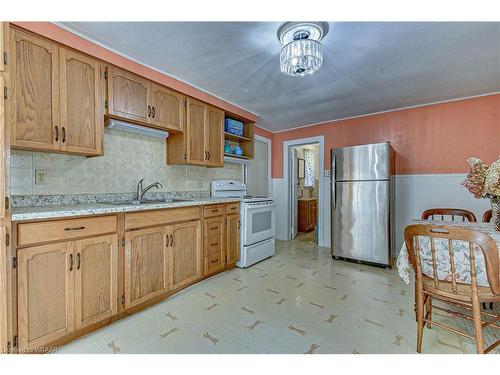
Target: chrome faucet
(139, 193)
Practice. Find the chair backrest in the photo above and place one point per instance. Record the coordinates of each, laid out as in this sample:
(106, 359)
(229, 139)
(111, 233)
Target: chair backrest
(440, 213)
(414, 234)
(487, 216)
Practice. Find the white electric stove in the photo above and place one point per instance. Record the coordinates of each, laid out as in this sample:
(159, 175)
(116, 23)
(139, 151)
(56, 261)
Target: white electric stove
(257, 221)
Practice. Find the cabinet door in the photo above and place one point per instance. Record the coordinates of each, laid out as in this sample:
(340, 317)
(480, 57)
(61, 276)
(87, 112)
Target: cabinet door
(214, 244)
(312, 213)
(146, 265)
(127, 95)
(45, 294)
(215, 137)
(167, 108)
(35, 92)
(195, 132)
(4, 299)
(96, 275)
(82, 121)
(186, 253)
(233, 239)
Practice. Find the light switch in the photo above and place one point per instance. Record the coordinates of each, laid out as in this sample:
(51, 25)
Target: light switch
(40, 177)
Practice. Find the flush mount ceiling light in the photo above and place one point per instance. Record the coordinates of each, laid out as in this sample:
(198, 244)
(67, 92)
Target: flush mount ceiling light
(302, 52)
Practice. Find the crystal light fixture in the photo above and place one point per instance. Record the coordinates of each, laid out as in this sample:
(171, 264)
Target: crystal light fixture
(302, 52)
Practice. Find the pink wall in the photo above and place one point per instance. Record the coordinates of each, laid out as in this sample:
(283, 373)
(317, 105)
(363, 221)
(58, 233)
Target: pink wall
(436, 138)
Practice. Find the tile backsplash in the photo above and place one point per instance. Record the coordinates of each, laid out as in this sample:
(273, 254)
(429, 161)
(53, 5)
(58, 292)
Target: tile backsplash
(127, 158)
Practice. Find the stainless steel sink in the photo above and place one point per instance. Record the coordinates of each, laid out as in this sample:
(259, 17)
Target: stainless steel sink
(146, 201)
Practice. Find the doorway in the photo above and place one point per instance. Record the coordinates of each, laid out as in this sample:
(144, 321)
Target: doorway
(303, 172)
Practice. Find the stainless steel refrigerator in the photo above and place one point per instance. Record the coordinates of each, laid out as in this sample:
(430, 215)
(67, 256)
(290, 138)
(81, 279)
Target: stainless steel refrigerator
(361, 203)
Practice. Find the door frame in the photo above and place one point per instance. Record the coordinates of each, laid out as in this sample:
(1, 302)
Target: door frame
(287, 145)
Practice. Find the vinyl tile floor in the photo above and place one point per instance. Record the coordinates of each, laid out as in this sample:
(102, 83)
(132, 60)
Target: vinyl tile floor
(299, 301)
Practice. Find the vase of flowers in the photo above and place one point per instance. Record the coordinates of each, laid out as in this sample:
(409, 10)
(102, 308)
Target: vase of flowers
(483, 181)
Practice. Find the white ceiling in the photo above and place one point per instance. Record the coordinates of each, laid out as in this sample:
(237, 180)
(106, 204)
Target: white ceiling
(368, 66)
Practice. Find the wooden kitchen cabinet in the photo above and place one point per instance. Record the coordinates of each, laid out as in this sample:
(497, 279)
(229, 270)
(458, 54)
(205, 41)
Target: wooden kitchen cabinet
(147, 267)
(35, 92)
(167, 107)
(57, 97)
(45, 294)
(186, 253)
(306, 214)
(232, 238)
(81, 116)
(128, 95)
(64, 287)
(202, 142)
(96, 278)
(214, 244)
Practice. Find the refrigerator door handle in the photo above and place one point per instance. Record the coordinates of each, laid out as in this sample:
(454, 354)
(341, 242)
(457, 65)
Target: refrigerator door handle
(333, 178)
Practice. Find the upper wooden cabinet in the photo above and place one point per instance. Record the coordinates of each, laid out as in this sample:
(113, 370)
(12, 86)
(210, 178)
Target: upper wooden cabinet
(128, 95)
(167, 107)
(35, 92)
(135, 98)
(202, 142)
(57, 97)
(81, 115)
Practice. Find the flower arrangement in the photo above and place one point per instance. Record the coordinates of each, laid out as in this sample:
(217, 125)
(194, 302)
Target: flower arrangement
(483, 180)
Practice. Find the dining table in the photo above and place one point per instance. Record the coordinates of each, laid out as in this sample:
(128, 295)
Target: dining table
(460, 250)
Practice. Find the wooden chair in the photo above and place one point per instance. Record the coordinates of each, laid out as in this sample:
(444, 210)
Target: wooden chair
(468, 296)
(432, 213)
(487, 216)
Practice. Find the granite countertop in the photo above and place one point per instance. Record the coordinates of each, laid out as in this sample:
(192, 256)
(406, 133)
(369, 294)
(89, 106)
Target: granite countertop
(50, 212)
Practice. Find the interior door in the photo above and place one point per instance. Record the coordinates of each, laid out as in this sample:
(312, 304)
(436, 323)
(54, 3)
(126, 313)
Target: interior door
(35, 92)
(186, 253)
(82, 121)
(167, 109)
(233, 238)
(96, 277)
(294, 183)
(196, 118)
(128, 95)
(145, 265)
(45, 294)
(360, 220)
(215, 138)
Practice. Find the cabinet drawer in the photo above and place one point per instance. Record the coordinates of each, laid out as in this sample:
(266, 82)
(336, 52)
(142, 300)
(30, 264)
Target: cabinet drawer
(60, 230)
(214, 261)
(233, 208)
(213, 226)
(214, 210)
(160, 217)
(213, 244)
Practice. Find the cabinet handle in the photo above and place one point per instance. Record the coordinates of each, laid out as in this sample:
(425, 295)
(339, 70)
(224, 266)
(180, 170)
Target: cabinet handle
(215, 210)
(70, 262)
(153, 112)
(63, 134)
(57, 133)
(239, 224)
(214, 228)
(208, 153)
(214, 261)
(149, 111)
(214, 244)
(78, 261)
(74, 228)
(171, 240)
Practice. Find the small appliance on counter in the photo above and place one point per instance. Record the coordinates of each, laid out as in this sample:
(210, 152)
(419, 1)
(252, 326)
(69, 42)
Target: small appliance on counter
(257, 217)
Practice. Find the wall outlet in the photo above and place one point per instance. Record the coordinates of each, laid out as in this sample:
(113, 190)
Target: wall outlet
(40, 177)
(327, 173)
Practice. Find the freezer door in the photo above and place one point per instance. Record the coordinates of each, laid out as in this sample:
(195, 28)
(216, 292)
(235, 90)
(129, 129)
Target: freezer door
(358, 163)
(360, 221)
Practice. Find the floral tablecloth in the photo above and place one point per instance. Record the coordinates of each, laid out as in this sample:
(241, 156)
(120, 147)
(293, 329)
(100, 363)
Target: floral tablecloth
(461, 255)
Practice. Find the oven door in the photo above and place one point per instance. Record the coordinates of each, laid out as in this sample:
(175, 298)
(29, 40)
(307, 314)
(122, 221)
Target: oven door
(259, 224)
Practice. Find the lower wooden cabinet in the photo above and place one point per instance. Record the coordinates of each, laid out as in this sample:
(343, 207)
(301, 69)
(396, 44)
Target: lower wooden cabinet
(214, 244)
(232, 238)
(185, 253)
(63, 287)
(306, 214)
(146, 265)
